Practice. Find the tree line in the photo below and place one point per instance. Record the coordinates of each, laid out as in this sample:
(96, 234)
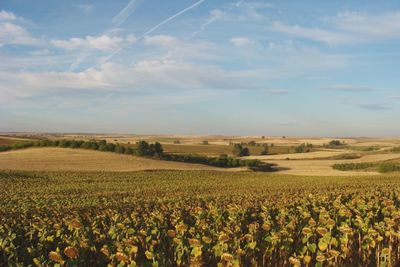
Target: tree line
(144, 149)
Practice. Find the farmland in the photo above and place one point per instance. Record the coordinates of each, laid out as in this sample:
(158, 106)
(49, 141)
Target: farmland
(62, 159)
(65, 203)
(202, 218)
(316, 159)
(7, 140)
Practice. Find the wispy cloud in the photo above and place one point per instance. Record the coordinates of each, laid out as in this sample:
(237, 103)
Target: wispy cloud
(154, 28)
(278, 92)
(41, 52)
(85, 8)
(145, 76)
(163, 40)
(240, 41)
(215, 14)
(106, 40)
(12, 34)
(173, 48)
(315, 34)
(5, 15)
(102, 43)
(347, 28)
(374, 107)
(253, 9)
(371, 106)
(348, 88)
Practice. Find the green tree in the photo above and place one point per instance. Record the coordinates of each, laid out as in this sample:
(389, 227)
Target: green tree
(245, 152)
(142, 148)
(158, 149)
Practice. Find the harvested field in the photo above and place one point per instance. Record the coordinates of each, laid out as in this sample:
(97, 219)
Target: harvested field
(60, 159)
(309, 155)
(324, 167)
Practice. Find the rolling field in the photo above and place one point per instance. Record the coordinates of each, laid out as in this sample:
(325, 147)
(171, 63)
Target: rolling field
(216, 150)
(197, 218)
(297, 156)
(318, 162)
(324, 167)
(62, 159)
(81, 207)
(6, 140)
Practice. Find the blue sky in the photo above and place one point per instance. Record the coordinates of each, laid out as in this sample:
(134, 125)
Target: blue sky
(311, 68)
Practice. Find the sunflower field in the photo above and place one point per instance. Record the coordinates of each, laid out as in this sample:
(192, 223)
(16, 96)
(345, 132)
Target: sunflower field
(197, 218)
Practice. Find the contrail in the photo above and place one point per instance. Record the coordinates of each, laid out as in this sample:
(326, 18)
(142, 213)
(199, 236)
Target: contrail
(122, 16)
(172, 17)
(117, 21)
(214, 16)
(152, 30)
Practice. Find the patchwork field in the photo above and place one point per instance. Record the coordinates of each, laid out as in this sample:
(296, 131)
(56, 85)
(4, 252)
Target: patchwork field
(306, 166)
(67, 206)
(281, 152)
(60, 159)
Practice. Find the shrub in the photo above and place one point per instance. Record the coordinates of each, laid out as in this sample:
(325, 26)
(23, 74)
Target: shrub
(64, 143)
(396, 149)
(265, 150)
(353, 166)
(119, 149)
(5, 148)
(240, 151)
(388, 167)
(129, 151)
(252, 143)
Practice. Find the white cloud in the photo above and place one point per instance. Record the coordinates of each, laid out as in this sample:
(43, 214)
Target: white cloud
(348, 27)
(315, 34)
(12, 34)
(102, 43)
(40, 52)
(4, 15)
(240, 41)
(163, 40)
(370, 26)
(178, 49)
(144, 76)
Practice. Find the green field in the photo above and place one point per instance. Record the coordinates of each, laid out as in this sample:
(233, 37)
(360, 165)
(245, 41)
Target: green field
(202, 218)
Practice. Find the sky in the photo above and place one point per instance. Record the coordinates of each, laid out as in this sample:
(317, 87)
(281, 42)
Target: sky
(241, 67)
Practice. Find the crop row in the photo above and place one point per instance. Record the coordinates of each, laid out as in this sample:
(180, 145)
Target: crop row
(198, 218)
